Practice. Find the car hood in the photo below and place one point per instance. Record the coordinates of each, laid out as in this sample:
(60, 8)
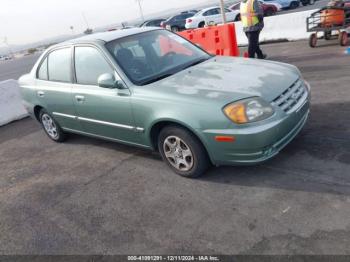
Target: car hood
(229, 79)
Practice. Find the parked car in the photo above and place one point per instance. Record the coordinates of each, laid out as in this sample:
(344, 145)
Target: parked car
(211, 15)
(152, 23)
(275, 4)
(269, 9)
(153, 89)
(177, 22)
(286, 4)
(4, 57)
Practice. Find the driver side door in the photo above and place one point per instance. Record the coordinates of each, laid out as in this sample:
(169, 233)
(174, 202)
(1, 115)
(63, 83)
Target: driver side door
(103, 112)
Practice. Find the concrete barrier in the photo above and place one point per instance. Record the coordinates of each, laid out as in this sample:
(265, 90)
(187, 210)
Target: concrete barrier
(11, 107)
(288, 26)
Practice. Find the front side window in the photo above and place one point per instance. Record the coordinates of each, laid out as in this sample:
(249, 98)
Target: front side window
(90, 65)
(42, 73)
(59, 65)
(151, 56)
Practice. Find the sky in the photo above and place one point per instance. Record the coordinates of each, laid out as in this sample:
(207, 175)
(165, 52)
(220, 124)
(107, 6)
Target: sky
(26, 21)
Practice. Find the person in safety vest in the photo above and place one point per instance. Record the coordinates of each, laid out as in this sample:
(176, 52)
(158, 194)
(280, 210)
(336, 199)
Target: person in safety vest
(252, 17)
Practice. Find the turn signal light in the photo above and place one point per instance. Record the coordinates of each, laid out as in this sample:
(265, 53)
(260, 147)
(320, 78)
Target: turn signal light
(225, 138)
(236, 112)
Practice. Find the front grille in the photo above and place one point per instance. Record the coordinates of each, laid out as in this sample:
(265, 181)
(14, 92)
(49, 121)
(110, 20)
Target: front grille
(290, 98)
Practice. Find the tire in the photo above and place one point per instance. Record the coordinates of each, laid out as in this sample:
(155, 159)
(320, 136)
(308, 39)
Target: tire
(294, 5)
(51, 127)
(313, 40)
(269, 12)
(238, 18)
(183, 152)
(201, 24)
(305, 3)
(328, 35)
(343, 38)
(174, 29)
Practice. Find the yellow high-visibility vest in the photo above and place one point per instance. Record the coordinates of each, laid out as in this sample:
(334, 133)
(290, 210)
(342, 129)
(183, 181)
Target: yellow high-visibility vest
(248, 16)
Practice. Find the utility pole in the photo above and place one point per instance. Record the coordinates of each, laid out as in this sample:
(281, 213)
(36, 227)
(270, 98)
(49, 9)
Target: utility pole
(141, 11)
(85, 20)
(222, 6)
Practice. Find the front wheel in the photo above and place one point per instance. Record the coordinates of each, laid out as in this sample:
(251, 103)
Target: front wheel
(313, 40)
(343, 38)
(51, 127)
(183, 152)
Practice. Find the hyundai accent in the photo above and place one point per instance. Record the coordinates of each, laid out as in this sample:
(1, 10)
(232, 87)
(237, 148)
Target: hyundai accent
(151, 88)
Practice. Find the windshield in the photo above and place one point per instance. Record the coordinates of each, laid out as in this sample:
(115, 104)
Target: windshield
(153, 55)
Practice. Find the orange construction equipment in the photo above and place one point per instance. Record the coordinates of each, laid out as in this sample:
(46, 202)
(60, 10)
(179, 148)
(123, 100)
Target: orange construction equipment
(217, 40)
(332, 17)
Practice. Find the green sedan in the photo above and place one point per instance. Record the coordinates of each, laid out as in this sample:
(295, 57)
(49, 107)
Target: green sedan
(151, 88)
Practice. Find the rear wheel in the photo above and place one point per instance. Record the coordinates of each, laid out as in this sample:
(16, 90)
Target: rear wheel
(175, 29)
(201, 24)
(51, 127)
(269, 12)
(313, 40)
(294, 5)
(183, 152)
(343, 38)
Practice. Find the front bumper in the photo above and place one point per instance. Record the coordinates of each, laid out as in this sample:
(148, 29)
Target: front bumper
(256, 143)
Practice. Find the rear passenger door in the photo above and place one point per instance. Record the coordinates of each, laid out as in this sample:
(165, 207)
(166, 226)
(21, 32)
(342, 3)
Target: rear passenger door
(213, 16)
(101, 111)
(54, 86)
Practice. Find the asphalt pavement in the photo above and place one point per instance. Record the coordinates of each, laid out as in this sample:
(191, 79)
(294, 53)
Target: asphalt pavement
(88, 196)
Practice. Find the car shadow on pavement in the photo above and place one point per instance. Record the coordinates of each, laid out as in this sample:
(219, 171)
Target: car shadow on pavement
(127, 149)
(317, 160)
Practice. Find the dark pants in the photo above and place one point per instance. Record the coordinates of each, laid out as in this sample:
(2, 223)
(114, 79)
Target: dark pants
(253, 46)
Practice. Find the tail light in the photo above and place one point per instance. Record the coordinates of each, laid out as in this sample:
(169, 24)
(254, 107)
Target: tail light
(189, 21)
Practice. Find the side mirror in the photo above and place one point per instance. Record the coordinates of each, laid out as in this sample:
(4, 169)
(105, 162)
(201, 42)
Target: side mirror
(108, 81)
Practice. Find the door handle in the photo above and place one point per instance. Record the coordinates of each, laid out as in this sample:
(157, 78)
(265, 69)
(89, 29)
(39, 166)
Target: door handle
(80, 98)
(41, 94)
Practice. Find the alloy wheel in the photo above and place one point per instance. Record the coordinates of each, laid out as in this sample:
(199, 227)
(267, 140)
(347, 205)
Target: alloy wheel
(178, 153)
(50, 126)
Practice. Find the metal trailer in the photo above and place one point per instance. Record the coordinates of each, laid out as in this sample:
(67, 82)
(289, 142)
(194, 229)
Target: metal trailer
(328, 20)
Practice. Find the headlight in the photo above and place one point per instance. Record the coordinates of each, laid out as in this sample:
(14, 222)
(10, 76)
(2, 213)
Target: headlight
(248, 110)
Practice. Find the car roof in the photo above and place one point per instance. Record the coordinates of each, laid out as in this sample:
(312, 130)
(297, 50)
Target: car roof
(109, 36)
(208, 8)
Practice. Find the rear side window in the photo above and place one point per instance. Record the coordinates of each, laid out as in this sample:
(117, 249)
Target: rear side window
(90, 65)
(59, 64)
(42, 73)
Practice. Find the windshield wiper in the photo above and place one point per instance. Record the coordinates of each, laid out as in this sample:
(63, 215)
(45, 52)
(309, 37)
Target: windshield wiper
(156, 79)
